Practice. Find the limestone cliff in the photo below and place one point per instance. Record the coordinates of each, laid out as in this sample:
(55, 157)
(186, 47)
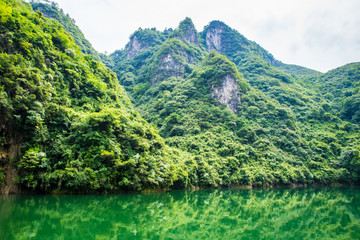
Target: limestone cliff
(141, 40)
(172, 60)
(187, 32)
(134, 47)
(169, 66)
(213, 37)
(172, 65)
(227, 41)
(227, 93)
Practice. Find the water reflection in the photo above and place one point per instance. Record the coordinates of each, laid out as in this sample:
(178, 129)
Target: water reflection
(312, 213)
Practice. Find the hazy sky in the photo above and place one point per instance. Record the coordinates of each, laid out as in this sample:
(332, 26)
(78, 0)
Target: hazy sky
(319, 34)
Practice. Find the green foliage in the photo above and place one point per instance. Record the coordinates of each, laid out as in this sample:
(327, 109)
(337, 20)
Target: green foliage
(172, 58)
(255, 67)
(78, 129)
(261, 146)
(296, 70)
(283, 132)
(2, 176)
(351, 109)
(350, 159)
(80, 132)
(32, 166)
(51, 10)
(215, 67)
(341, 87)
(186, 32)
(147, 37)
(236, 47)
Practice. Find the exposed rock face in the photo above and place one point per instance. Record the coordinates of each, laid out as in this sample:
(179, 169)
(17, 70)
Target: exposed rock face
(189, 32)
(168, 67)
(172, 65)
(213, 36)
(9, 186)
(227, 93)
(134, 47)
(191, 36)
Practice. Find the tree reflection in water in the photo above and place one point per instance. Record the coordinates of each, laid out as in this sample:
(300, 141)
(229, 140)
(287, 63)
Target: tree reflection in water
(309, 213)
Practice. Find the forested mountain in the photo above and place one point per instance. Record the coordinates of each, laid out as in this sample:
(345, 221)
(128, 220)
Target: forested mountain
(66, 123)
(222, 110)
(341, 88)
(246, 117)
(51, 10)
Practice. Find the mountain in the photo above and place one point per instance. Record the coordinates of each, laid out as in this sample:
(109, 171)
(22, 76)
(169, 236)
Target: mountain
(228, 102)
(219, 111)
(52, 10)
(341, 87)
(229, 42)
(66, 123)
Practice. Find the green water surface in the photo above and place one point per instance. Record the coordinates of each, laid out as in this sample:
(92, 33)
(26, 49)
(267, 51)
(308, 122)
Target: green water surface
(281, 213)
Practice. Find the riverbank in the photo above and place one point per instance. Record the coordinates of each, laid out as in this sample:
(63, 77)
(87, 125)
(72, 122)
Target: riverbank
(163, 190)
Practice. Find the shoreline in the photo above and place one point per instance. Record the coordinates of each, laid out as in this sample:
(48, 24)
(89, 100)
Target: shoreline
(165, 190)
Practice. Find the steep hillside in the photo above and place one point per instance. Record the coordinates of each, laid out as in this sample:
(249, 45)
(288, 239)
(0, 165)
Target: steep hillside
(245, 122)
(66, 123)
(341, 88)
(225, 40)
(51, 10)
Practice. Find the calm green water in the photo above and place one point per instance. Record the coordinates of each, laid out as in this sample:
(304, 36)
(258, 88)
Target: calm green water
(300, 213)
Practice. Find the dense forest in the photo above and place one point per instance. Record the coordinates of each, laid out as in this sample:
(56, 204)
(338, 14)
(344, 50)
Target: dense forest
(66, 123)
(173, 109)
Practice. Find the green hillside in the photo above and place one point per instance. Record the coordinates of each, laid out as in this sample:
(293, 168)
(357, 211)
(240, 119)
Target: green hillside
(279, 132)
(51, 10)
(219, 110)
(66, 123)
(341, 88)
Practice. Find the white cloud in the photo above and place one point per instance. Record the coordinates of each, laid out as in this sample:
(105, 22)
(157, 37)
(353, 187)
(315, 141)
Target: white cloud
(321, 34)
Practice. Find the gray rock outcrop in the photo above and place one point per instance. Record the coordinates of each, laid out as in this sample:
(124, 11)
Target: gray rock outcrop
(227, 93)
(134, 47)
(189, 32)
(213, 37)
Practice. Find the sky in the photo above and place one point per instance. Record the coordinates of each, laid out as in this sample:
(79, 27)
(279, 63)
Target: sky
(318, 34)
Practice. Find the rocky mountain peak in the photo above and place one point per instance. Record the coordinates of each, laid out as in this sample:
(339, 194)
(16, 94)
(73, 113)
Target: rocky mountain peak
(172, 61)
(141, 40)
(188, 31)
(134, 47)
(213, 34)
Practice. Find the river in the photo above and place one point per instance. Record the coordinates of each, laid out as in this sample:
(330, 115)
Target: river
(275, 213)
